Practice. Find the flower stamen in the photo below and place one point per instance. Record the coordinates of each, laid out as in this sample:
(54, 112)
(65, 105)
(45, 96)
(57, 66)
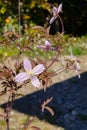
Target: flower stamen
(31, 73)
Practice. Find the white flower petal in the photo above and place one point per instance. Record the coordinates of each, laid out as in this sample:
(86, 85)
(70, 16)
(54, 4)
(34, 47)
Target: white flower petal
(76, 66)
(41, 46)
(55, 11)
(35, 81)
(79, 76)
(60, 8)
(27, 65)
(38, 69)
(21, 77)
(52, 20)
(47, 44)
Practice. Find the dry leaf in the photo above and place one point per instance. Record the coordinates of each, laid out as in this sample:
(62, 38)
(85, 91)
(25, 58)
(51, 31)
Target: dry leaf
(35, 128)
(50, 110)
(46, 107)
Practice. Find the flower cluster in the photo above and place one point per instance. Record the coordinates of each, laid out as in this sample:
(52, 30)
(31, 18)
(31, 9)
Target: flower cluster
(47, 46)
(75, 63)
(56, 12)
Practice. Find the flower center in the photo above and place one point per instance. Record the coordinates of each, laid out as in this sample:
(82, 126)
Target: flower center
(54, 14)
(31, 73)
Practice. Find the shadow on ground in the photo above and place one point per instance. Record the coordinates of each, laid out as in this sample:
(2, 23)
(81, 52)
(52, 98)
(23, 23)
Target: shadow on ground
(69, 103)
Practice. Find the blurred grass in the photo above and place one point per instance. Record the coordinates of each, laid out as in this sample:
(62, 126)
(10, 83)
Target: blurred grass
(78, 45)
(8, 51)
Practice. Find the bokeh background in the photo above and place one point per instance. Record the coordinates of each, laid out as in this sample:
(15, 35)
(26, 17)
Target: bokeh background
(39, 11)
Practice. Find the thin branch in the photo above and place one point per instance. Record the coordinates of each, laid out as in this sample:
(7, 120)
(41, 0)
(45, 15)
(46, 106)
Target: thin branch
(19, 15)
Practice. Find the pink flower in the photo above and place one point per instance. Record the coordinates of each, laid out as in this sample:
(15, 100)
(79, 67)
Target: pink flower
(56, 12)
(47, 46)
(75, 63)
(30, 73)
